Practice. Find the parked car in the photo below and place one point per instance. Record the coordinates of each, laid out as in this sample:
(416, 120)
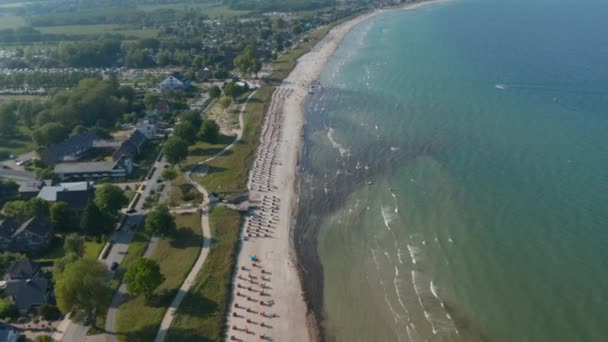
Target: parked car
(131, 210)
(114, 266)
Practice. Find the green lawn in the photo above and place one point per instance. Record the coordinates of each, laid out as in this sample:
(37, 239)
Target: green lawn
(8, 20)
(228, 173)
(200, 317)
(55, 251)
(138, 320)
(20, 143)
(99, 29)
(208, 9)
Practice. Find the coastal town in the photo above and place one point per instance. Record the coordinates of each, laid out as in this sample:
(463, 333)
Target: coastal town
(152, 163)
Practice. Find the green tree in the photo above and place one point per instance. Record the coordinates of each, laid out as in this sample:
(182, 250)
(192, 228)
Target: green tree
(36, 207)
(6, 259)
(8, 309)
(60, 264)
(193, 117)
(175, 150)
(150, 101)
(93, 221)
(210, 131)
(186, 131)
(143, 277)
(61, 216)
(215, 92)
(169, 174)
(49, 133)
(233, 90)
(15, 210)
(74, 244)
(43, 338)
(8, 122)
(225, 102)
(198, 62)
(160, 221)
(110, 198)
(83, 286)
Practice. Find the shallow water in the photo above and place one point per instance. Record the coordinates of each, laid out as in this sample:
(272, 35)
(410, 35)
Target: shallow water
(454, 176)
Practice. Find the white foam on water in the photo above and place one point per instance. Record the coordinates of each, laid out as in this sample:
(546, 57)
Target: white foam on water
(388, 256)
(330, 135)
(397, 282)
(396, 315)
(450, 240)
(434, 290)
(387, 217)
(416, 287)
(414, 253)
(375, 259)
(399, 255)
(429, 318)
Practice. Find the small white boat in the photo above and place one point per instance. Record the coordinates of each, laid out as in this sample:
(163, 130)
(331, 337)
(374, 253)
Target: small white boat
(501, 86)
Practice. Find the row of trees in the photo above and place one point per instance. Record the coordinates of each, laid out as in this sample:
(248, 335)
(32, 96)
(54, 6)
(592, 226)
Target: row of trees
(190, 128)
(81, 283)
(97, 218)
(93, 103)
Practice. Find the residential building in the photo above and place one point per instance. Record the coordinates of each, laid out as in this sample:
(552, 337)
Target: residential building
(69, 150)
(204, 74)
(26, 285)
(8, 227)
(174, 81)
(33, 236)
(75, 194)
(94, 170)
(132, 147)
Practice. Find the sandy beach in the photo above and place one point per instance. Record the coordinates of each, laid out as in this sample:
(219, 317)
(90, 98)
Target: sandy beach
(267, 299)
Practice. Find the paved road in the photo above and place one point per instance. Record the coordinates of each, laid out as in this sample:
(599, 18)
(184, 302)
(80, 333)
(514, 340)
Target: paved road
(74, 332)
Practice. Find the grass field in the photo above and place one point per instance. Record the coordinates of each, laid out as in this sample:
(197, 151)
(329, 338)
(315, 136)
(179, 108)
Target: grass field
(211, 10)
(99, 29)
(8, 20)
(138, 320)
(228, 173)
(55, 251)
(200, 317)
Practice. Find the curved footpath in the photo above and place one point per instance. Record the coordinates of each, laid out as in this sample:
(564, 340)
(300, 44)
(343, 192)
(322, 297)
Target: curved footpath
(205, 209)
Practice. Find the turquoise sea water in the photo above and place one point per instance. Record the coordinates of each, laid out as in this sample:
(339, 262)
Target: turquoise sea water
(437, 206)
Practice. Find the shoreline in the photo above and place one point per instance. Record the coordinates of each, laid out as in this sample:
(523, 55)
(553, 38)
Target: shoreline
(268, 299)
(323, 51)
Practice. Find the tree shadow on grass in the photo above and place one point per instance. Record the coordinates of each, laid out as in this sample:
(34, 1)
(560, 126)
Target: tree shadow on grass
(186, 237)
(208, 152)
(198, 306)
(162, 298)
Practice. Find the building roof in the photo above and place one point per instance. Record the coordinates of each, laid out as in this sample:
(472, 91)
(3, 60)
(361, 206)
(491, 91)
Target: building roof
(75, 194)
(36, 225)
(88, 167)
(132, 146)
(16, 174)
(70, 149)
(8, 226)
(22, 269)
(27, 293)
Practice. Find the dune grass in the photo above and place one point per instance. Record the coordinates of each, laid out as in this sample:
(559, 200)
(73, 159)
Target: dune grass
(201, 315)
